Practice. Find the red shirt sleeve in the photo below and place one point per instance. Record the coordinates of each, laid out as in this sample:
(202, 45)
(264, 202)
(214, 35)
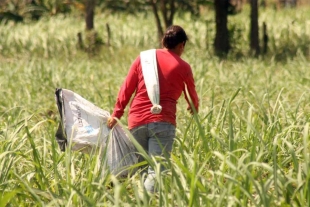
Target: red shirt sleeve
(190, 85)
(127, 89)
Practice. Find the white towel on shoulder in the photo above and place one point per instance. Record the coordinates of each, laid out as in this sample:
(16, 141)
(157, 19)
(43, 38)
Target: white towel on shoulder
(150, 74)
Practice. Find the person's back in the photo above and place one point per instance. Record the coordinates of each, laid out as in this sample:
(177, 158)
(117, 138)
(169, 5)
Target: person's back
(173, 74)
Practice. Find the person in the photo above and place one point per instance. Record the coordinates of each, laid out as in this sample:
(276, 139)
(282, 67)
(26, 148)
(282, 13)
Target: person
(156, 132)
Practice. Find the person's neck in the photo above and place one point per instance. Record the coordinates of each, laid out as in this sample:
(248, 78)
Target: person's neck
(175, 51)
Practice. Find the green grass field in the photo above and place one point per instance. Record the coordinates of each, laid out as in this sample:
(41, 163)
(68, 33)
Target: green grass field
(248, 146)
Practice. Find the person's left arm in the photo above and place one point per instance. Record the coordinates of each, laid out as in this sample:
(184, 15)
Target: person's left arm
(191, 89)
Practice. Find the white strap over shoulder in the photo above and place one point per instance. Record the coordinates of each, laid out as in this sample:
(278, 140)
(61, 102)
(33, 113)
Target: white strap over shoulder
(150, 74)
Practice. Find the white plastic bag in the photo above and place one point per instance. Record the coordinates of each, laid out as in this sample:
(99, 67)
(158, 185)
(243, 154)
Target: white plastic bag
(121, 152)
(83, 125)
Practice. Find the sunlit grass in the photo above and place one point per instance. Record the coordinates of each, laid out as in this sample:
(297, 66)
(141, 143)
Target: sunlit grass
(248, 146)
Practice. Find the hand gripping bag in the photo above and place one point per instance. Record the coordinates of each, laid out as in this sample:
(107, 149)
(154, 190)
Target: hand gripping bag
(83, 125)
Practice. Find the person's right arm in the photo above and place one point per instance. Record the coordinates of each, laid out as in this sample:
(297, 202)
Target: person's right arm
(127, 89)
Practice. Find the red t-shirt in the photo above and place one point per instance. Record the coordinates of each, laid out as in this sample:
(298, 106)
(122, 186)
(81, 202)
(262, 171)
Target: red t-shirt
(173, 74)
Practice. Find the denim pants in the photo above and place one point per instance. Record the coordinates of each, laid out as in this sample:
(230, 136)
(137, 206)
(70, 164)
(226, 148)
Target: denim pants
(156, 139)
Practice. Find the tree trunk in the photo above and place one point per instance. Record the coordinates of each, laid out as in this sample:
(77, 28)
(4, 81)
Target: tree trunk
(160, 31)
(221, 42)
(89, 13)
(80, 41)
(167, 9)
(254, 34)
(265, 38)
(109, 34)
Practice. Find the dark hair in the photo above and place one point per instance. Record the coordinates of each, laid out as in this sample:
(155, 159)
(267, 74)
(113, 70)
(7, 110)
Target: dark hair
(173, 36)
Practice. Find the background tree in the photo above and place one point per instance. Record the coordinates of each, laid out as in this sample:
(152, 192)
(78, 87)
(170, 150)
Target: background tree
(221, 41)
(167, 9)
(89, 14)
(286, 3)
(254, 29)
(93, 41)
(164, 11)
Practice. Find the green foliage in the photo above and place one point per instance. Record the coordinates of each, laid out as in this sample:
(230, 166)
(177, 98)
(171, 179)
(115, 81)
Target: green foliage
(123, 6)
(137, 6)
(247, 146)
(18, 11)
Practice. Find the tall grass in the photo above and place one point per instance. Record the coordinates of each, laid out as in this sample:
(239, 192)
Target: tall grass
(248, 145)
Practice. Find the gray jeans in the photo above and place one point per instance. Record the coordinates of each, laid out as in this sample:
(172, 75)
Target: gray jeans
(156, 139)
